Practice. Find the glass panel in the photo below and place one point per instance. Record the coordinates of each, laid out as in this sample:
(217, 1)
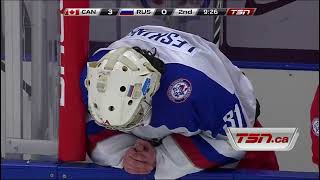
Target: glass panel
(104, 30)
(39, 65)
(3, 82)
(276, 35)
(39, 80)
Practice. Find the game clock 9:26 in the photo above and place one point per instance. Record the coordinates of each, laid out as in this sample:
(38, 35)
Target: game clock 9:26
(210, 12)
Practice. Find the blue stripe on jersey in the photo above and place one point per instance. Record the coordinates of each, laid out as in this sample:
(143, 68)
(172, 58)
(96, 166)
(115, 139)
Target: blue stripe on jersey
(93, 128)
(208, 103)
(210, 153)
(97, 56)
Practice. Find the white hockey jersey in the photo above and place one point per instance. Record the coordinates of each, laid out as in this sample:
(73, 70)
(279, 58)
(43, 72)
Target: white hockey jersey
(201, 93)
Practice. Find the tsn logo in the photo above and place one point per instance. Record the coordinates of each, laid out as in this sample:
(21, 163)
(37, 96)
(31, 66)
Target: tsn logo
(259, 137)
(262, 139)
(241, 11)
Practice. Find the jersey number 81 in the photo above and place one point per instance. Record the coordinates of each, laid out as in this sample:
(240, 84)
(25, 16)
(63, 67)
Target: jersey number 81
(232, 116)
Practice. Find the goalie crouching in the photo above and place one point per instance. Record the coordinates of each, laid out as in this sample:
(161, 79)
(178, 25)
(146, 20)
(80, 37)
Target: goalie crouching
(161, 99)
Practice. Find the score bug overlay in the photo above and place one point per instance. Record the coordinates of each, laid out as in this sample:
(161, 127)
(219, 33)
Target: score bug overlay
(160, 12)
(262, 139)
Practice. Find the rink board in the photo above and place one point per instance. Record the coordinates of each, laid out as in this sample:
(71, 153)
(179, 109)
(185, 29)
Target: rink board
(11, 169)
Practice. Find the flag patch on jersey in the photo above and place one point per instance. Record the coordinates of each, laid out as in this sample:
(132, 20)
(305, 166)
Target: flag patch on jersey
(146, 86)
(179, 90)
(130, 91)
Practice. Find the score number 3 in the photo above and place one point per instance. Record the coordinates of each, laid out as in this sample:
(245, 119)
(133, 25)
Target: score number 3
(110, 12)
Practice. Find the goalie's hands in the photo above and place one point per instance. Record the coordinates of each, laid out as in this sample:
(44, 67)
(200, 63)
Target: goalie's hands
(140, 159)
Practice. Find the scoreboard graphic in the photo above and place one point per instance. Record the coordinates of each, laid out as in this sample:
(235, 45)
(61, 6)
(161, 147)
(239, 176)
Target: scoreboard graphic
(160, 12)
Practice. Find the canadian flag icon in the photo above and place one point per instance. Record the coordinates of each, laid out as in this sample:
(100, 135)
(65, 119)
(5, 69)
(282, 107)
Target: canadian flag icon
(71, 12)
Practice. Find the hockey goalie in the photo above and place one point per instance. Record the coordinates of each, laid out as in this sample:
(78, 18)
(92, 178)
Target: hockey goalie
(159, 100)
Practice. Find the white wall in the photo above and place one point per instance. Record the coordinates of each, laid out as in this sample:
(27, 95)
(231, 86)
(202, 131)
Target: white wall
(293, 26)
(285, 97)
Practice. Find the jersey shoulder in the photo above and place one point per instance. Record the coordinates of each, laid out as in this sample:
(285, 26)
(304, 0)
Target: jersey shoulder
(165, 39)
(188, 98)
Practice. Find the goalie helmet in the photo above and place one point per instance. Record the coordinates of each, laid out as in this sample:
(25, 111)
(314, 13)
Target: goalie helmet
(120, 88)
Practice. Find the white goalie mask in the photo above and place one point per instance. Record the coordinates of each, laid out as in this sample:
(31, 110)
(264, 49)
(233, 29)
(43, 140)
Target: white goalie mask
(120, 88)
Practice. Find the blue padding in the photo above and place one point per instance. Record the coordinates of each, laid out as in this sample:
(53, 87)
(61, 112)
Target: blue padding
(51, 170)
(15, 169)
(274, 175)
(92, 171)
(214, 175)
(278, 65)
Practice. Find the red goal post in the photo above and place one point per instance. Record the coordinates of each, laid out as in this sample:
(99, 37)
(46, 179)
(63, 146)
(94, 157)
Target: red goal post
(74, 45)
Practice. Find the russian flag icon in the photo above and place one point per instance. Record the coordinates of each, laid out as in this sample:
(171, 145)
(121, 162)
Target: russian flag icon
(126, 12)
